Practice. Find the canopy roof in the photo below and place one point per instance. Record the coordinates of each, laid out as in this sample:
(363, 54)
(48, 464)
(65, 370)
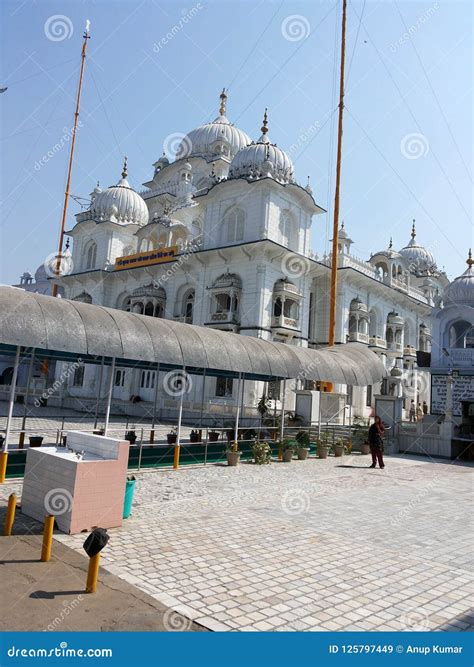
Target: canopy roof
(67, 330)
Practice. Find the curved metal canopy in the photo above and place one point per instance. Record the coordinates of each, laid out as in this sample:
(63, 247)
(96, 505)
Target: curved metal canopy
(67, 330)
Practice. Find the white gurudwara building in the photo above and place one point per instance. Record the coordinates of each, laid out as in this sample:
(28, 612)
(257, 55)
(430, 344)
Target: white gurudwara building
(221, 237)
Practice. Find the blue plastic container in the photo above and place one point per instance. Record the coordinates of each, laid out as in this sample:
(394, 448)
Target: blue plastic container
(128, 500)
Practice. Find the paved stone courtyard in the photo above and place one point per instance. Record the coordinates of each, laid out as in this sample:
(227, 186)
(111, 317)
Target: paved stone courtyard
(313, 545)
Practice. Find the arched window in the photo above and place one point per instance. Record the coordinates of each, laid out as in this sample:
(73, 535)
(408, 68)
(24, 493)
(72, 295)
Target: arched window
(461, 334)
(188, 307)
(234, 225)
(372, 324)
(287, 230)
(91, 255)
(277, 307)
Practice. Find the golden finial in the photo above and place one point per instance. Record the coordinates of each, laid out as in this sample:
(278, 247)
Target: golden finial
(125, 168)
(413, 229)
(223, 97)
(469, 260)
(264, 127)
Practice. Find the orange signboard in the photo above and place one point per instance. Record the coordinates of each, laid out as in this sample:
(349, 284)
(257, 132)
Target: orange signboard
(146, 258)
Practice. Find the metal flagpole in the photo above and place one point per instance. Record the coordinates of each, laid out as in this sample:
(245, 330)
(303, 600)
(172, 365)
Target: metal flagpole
(86, 36)
(335, 234)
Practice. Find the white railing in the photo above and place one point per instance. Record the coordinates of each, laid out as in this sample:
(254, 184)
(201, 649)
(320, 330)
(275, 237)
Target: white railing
(284, 322)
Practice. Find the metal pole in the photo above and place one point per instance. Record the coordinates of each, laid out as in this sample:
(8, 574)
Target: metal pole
(27, 396)
(109, 395)
(101, 373)
(237, 413)
(155, 398)
(180, 416)
(202, 396)
(12, 398)
(86, 36)
(335, 234)
(283, 400)
(319, 413)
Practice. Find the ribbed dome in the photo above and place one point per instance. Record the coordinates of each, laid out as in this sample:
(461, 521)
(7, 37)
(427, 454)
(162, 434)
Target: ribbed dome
(419, 258)
(205, 140)
(461, 290)
(120, 203)
(261, 159)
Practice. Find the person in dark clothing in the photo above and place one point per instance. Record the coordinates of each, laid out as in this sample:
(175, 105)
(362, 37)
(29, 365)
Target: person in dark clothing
(376, 433)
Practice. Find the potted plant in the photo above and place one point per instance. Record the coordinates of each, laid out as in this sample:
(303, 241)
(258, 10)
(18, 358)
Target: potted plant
(323, 445)
(194, 436)
(339, 447)
(213, 436)
(36, 440)
(2, 440)
(263, 407)
(287, 450)
(233, 454)
(172, 436)
(262, 453)
(302, 440)
(131, 436)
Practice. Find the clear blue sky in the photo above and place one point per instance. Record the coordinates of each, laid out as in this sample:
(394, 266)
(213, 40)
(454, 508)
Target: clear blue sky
(138, 91)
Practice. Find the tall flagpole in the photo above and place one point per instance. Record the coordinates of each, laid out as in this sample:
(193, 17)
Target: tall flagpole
(57, 271)
(335, 233)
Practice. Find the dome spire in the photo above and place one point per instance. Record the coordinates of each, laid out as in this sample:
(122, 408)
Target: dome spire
(223, 98)
(413, 230)
(469, 260)
(125, 168)
(264, 128)
(390, 245)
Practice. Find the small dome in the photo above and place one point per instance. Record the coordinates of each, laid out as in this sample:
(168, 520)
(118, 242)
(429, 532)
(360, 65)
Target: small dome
(419, 259)
(261, 159)
(358, 305)
(120, 203)
(389, 252)
(227, 280)
(394, 318)
(461, 290)
(218, 138)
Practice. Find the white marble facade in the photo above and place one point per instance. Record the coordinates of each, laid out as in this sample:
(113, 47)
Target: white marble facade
(242, 224)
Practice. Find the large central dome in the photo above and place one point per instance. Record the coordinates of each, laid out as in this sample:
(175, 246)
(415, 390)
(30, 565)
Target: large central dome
(216, 139)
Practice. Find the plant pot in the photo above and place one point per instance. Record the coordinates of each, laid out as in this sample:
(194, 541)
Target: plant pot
(213, 436)
(36, 440)
(131, 439)
(287, 456)
(233, 458)
(303, 453)
(338, 450)
(323, 452)
(365, 448)
(172, 438)
(194, 438)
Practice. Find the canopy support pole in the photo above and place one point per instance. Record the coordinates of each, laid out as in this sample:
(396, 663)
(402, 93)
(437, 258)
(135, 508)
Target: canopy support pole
(180, 416)
(202, 396)
(283, 400)
(237, 413)
(26, 398)
(155, 398)
(101, 373)
(109, 396)
(4, 457)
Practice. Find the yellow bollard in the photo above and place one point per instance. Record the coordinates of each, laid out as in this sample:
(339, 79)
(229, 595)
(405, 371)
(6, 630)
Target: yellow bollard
(10, 517)
(152, 436)
(3, 466)
(47, 539)
(176, 457)
(93, 574)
